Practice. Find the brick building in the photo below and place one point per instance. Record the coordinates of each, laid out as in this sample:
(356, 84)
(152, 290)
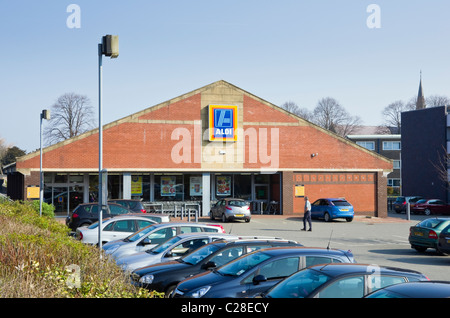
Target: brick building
(213, 142)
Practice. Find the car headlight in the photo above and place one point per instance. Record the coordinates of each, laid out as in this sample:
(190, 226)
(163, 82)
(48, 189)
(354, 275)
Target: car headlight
(146, 279)
(200, 292)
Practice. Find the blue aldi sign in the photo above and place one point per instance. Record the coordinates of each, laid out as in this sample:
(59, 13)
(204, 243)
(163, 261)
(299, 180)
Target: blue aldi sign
(222, 123)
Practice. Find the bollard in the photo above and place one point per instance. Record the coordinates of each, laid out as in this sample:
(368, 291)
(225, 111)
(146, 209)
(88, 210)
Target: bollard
(408, 211)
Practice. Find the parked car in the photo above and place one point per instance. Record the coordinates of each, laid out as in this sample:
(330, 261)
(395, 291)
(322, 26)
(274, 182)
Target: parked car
(332, 208)
(87, 213)
(400, 203)
(229, 209)
(425, 234)
(133, 205)
(157, 217)
(444, 241)
(114, 228)
(422, 289)
(431, 206)
(340, 281)
(164, 277)
(153, 235)
(170, 250)
(256, 272)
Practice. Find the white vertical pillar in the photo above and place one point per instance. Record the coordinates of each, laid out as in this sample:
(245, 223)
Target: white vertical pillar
(126, 186)
(206, 201)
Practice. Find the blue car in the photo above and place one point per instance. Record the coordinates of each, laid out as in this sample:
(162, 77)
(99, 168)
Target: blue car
(332, 208)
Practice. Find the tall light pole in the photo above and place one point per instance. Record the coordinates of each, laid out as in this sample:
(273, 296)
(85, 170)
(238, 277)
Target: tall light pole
(108, 47)
(44, 115)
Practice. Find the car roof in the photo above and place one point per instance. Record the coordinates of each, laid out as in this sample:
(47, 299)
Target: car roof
(196, 234)
(128, 216)
(337, 269)
(420, 289)
(283, 250)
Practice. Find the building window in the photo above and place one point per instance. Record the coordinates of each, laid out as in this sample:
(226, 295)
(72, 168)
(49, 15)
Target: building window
(395, 183)
(391, 145)
(397, 164)
(370, 145)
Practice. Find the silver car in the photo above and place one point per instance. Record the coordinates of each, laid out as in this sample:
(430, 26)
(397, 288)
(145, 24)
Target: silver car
(114, 228)
(153, 235)
(170, 250)
(231, 209)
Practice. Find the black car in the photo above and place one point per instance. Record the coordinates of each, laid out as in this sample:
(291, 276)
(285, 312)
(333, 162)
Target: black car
(164, 277)
(256, 272)
(422, 289)
(341, 281)
(133, 205)
(87, 213)
(400, 203)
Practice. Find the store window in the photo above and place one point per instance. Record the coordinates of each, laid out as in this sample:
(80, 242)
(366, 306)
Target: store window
(140, 187)
(193, 187)
(168, 187)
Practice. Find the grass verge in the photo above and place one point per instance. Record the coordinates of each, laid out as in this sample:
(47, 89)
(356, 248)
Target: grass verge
(38, 259)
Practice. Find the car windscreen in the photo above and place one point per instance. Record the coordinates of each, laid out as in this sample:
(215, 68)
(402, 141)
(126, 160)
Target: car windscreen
(163, 246)
(139, 234)
(299, 285)
(199, 254)
(340, 203)
(237, 203)
(242, 264)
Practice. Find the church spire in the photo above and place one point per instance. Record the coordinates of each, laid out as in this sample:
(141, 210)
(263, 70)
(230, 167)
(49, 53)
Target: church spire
(420, 104)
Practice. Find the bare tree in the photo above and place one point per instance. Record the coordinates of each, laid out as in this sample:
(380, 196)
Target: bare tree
(296, 110)
(392, 113)
(437, 100)
(330, 115)
(71, 115)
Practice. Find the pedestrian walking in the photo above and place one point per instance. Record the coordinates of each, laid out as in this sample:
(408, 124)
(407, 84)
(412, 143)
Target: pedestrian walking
(307, 215)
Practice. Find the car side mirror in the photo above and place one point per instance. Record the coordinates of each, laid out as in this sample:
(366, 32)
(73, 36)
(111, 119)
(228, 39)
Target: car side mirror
(209, 265)
(146, 241)
(259, 279)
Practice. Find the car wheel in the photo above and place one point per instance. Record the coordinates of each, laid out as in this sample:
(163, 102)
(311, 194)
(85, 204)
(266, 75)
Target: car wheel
(247, 220)
(327, 217)
(427, 212)
(224, 218)
(349, 219)
(211, 215)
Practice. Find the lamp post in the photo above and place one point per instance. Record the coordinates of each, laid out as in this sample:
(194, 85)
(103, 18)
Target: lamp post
(45, 114)
(108, 47)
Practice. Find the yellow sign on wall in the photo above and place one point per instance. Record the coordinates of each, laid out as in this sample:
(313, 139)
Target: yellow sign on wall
(33, 192)
(299, 190)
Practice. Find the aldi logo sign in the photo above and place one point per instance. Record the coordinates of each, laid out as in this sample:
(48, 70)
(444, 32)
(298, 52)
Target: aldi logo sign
(222, 123)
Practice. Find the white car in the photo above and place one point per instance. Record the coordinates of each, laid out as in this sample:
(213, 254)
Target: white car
(153, 235)
(157, 217)
(170, 250)
(113, 228)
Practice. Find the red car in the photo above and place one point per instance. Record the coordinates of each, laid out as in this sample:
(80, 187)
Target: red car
(431, 206)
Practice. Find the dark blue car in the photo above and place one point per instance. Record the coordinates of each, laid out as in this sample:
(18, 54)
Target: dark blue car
(256, 272)
(332, 208)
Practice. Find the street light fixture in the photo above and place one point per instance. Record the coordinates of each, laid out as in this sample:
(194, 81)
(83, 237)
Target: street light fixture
(44, 115)
(108, 47)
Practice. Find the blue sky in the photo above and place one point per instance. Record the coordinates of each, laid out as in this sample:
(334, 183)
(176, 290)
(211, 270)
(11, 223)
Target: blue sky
(281, 51)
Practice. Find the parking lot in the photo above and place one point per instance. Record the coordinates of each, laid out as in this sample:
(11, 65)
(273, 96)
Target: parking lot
(376, 241)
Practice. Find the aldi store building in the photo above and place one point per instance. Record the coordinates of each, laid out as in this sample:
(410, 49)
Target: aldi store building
(217, 141)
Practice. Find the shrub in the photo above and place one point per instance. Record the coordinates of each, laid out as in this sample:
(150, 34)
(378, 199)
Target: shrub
(47, 209)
